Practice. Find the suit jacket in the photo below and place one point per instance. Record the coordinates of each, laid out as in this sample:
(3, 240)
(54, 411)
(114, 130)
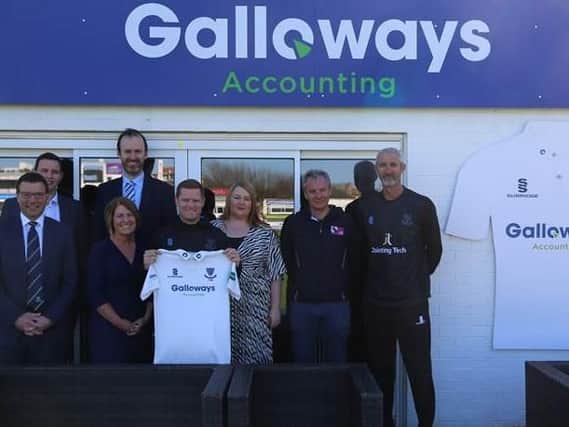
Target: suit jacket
(59, 271)
(157, 207)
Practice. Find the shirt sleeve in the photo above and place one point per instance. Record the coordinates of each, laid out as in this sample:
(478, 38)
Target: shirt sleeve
(233, 283)
(276, 267)
(287, 247)
(151, 283)
(432, 236)
(470, 208)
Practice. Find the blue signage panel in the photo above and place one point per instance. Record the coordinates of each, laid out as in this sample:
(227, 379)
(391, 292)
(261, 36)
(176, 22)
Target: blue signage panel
(317, 53)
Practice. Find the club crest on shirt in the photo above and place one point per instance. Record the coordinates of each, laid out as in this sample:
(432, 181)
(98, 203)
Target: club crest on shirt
(210, 274)
(407, 220)
(336, 230)
(169, 242)
(370, 220)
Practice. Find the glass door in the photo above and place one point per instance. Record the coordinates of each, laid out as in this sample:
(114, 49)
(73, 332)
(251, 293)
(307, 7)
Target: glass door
(94, 167)
(271, 173)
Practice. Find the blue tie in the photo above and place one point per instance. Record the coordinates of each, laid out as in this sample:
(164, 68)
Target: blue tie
(129, 191)
(34, 285)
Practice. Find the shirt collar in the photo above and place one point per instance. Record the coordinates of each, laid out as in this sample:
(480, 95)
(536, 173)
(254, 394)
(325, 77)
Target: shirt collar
(137, 181)
(54, 200)
(39, 221)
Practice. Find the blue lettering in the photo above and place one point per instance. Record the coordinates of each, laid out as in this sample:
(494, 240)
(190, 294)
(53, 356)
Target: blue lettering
(513, 230)
(538, 231)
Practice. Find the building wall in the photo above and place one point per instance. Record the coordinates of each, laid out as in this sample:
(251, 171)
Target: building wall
(476, 386)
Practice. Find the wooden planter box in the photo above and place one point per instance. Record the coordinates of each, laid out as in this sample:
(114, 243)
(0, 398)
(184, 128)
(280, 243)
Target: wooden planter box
(547, 394)
(113, 396)
(304, 395)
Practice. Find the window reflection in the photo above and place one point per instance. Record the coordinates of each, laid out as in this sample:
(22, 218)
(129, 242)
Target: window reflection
(10, 170)
(342, 176)
(95, 171)
(273, 180)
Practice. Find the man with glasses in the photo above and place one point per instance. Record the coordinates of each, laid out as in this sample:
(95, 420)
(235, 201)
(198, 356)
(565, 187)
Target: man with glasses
(37, 279)
(153, 198)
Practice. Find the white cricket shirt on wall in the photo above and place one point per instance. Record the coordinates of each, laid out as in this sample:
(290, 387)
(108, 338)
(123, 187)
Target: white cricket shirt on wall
(191, 306)
(522, 186)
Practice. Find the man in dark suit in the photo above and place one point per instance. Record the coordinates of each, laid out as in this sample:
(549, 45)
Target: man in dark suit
(60, 207)
(153, 198)
(38, 274)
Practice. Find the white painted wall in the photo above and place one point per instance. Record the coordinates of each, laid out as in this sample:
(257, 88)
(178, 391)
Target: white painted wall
(476, 386)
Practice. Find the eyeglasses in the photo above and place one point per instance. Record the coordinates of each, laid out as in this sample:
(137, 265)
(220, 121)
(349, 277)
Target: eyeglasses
(27, 196)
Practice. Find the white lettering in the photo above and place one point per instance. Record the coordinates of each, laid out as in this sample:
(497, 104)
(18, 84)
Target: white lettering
(356, 45)
(283, 28)
(438, 47)
(409, 48)
(347, 40)
(241, 32)
(219, 47)
(260, 32)
(481, 46)
(170, 36)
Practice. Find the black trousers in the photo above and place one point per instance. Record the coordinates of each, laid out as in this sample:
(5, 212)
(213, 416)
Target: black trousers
(410, 326)
(49, 348)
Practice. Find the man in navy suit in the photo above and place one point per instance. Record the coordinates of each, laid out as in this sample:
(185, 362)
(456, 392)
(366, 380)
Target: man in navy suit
(38, 274)
(153, 198)
(61, 208)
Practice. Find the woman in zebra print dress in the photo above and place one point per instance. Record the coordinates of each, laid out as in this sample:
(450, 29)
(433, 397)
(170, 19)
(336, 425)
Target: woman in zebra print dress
(262, 267)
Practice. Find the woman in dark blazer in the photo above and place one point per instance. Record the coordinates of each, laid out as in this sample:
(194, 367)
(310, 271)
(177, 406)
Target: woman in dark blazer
(119, 329)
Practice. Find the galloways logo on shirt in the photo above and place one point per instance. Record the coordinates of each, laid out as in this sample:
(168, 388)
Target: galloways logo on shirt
(519, 188)
(191, 289)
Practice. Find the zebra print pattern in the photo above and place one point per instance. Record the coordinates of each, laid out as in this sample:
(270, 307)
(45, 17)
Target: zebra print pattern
(261, 264)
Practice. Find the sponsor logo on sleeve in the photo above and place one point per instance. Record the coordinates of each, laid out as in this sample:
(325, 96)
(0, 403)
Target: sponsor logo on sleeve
(336, 230)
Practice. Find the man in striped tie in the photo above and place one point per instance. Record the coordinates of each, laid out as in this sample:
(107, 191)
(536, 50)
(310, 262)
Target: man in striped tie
(153, 198)
(37, 279)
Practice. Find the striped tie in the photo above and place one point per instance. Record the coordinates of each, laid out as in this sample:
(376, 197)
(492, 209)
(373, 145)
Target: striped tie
(34, 285)
(129, 191)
